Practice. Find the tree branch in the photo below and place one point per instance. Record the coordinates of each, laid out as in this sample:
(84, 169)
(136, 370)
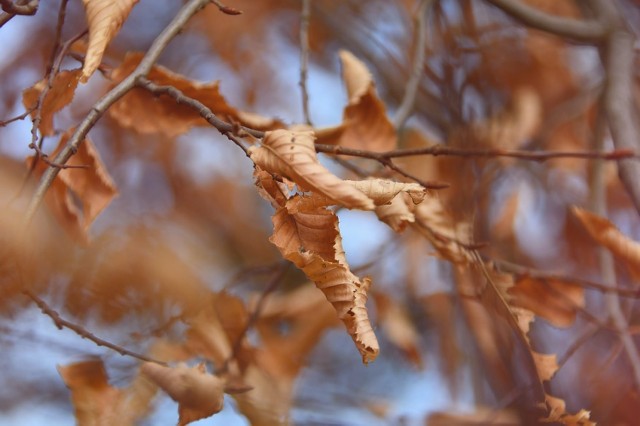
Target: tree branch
(582, 31)
(411, 91)
(100, 107)
(20, 7)
(304, 58)
(619, 107)
(82, 332)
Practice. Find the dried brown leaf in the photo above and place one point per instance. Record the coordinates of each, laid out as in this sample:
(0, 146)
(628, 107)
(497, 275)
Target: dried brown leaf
(554, 300)
(396, 214)
(92, 186)
(558, 414)
(145, 113)
(59, 95)
(605, 233)
(94, 400)
(198, 393)
(104, 17)
(364, 123)
(292, 155)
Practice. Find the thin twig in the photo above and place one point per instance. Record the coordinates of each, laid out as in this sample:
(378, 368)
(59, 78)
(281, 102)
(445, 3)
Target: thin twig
(17, 117)
(61, 323)
(304, 58)
(583, 31)
(620, 113)
(226, 9)
(227, 129)
(411, 91)
(100, 107)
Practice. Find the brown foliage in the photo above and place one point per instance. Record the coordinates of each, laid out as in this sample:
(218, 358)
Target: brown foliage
(154, 243)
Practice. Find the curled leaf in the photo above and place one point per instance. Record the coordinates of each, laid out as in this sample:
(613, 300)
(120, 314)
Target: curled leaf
(311, 240)
(198, 393)
(292, 155)
(396, 214)
(364, 122)
(105, 18)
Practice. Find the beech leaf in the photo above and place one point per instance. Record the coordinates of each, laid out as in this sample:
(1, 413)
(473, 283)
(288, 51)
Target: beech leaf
(94, 400)
(59, 95)
(105, 18)
(605, 233)
(145, 113)
(92, 186)
(198, 394)
(364, 122)
(292, 155)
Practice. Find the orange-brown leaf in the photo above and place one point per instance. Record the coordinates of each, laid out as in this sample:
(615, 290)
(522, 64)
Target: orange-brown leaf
(94, 400)
(554, 300)
(605, 233)
(92, 186)
(198, 393)
(59, 95)
(364, 124)
(104, 17)
(292, 155)
(146, 113)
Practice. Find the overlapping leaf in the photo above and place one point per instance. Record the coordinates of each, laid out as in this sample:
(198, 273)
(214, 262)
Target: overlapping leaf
(199, 394)
(59, 95)
(311, 241)
(146, 113)
(292, 155)
(105, 18)
(364, 123)
(92, 186)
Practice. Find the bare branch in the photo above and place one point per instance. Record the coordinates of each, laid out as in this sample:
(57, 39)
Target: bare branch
(411, 91)
(100, 107)
(619, 107)
(82, 332)
(443, 150)
(583, 31)
(304, 57)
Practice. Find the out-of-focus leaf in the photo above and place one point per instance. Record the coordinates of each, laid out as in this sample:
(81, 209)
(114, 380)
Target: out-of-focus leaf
(556, 301)
(558, 414)
(364, 123)
(59, 95)
(92, 186)
(396, 214)
(482, 416)
(105, 18)
(145, 113)
(199, 394)
(94, 400)
(605, 233)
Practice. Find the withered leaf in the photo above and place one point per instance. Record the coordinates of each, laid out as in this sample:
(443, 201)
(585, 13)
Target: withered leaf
(91, 185)
(146, 113)
(292, 155)
(59, 95)
(105, 18)
(364, 123)
(199, 394)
